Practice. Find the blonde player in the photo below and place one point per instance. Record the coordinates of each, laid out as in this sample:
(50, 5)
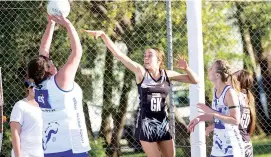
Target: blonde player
(247, 108)
(225, 113)
(153, 82)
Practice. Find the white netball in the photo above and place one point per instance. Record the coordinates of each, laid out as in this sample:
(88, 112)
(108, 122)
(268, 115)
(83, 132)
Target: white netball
(58, 7)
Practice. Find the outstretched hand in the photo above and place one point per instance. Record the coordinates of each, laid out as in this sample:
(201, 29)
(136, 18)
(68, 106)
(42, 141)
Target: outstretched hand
(96, 34)
(181, 63)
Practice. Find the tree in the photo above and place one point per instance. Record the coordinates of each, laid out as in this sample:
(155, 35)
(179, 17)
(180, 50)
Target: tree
(254, 31)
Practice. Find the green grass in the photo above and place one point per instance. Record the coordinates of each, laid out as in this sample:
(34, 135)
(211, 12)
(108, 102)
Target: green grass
(263, 155)
(131, 154)
(262, 148)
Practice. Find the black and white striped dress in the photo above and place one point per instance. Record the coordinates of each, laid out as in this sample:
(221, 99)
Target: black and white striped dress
(152, 119)
(244, 124)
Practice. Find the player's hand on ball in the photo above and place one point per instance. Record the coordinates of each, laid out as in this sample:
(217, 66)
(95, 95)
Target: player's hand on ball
(96, 34)
(50, 19)
(61, 20)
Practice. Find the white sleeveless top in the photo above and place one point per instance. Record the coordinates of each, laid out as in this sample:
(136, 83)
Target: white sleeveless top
(64, 125)
(227, 140)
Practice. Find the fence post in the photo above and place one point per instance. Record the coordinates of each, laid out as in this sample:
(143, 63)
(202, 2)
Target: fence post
(170, 67)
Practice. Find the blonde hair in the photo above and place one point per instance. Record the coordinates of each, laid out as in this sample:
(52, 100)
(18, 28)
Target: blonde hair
(223, 68)
(161, 57)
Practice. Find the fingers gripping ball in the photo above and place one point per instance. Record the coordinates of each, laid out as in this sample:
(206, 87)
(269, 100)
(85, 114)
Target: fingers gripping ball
(58, 7)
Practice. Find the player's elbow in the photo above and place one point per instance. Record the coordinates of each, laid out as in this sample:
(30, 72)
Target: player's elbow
(197, 81)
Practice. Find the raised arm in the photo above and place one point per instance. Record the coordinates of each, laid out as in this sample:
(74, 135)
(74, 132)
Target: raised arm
(189, 77)
(65, 76)
(130, 64)
(47, 38)
(15, 136)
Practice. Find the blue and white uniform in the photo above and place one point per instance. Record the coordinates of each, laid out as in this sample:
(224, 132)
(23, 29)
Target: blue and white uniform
(227, 141)
(64, 128)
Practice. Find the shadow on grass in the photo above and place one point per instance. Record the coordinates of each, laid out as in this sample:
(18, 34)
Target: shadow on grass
(262, 148)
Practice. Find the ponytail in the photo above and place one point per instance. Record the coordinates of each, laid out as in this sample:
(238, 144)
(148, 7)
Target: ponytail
(234, 82)
(251, 104)
(246, 80)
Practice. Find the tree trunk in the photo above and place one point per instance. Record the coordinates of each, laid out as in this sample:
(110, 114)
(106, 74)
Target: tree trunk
(123, 28)
(265, 86)
(120, 115)
(107, 97)
(87, 120)
(251, 47)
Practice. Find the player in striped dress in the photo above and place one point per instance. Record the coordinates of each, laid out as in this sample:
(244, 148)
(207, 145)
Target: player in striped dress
(248, 114)
(225, 113)
(153, 81)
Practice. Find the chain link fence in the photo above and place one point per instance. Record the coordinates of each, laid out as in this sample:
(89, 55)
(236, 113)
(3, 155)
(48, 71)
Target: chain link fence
(235, 31)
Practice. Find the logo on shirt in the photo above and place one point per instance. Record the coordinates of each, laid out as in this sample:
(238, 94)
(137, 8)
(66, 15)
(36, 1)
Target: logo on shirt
(41, 98)
(156, 102)
(50, 131)
(225, 148)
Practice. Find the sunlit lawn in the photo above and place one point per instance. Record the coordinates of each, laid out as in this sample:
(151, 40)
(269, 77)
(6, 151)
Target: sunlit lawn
(262, 148)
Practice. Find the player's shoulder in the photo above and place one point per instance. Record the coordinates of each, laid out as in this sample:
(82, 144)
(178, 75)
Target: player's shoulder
(231, 91)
